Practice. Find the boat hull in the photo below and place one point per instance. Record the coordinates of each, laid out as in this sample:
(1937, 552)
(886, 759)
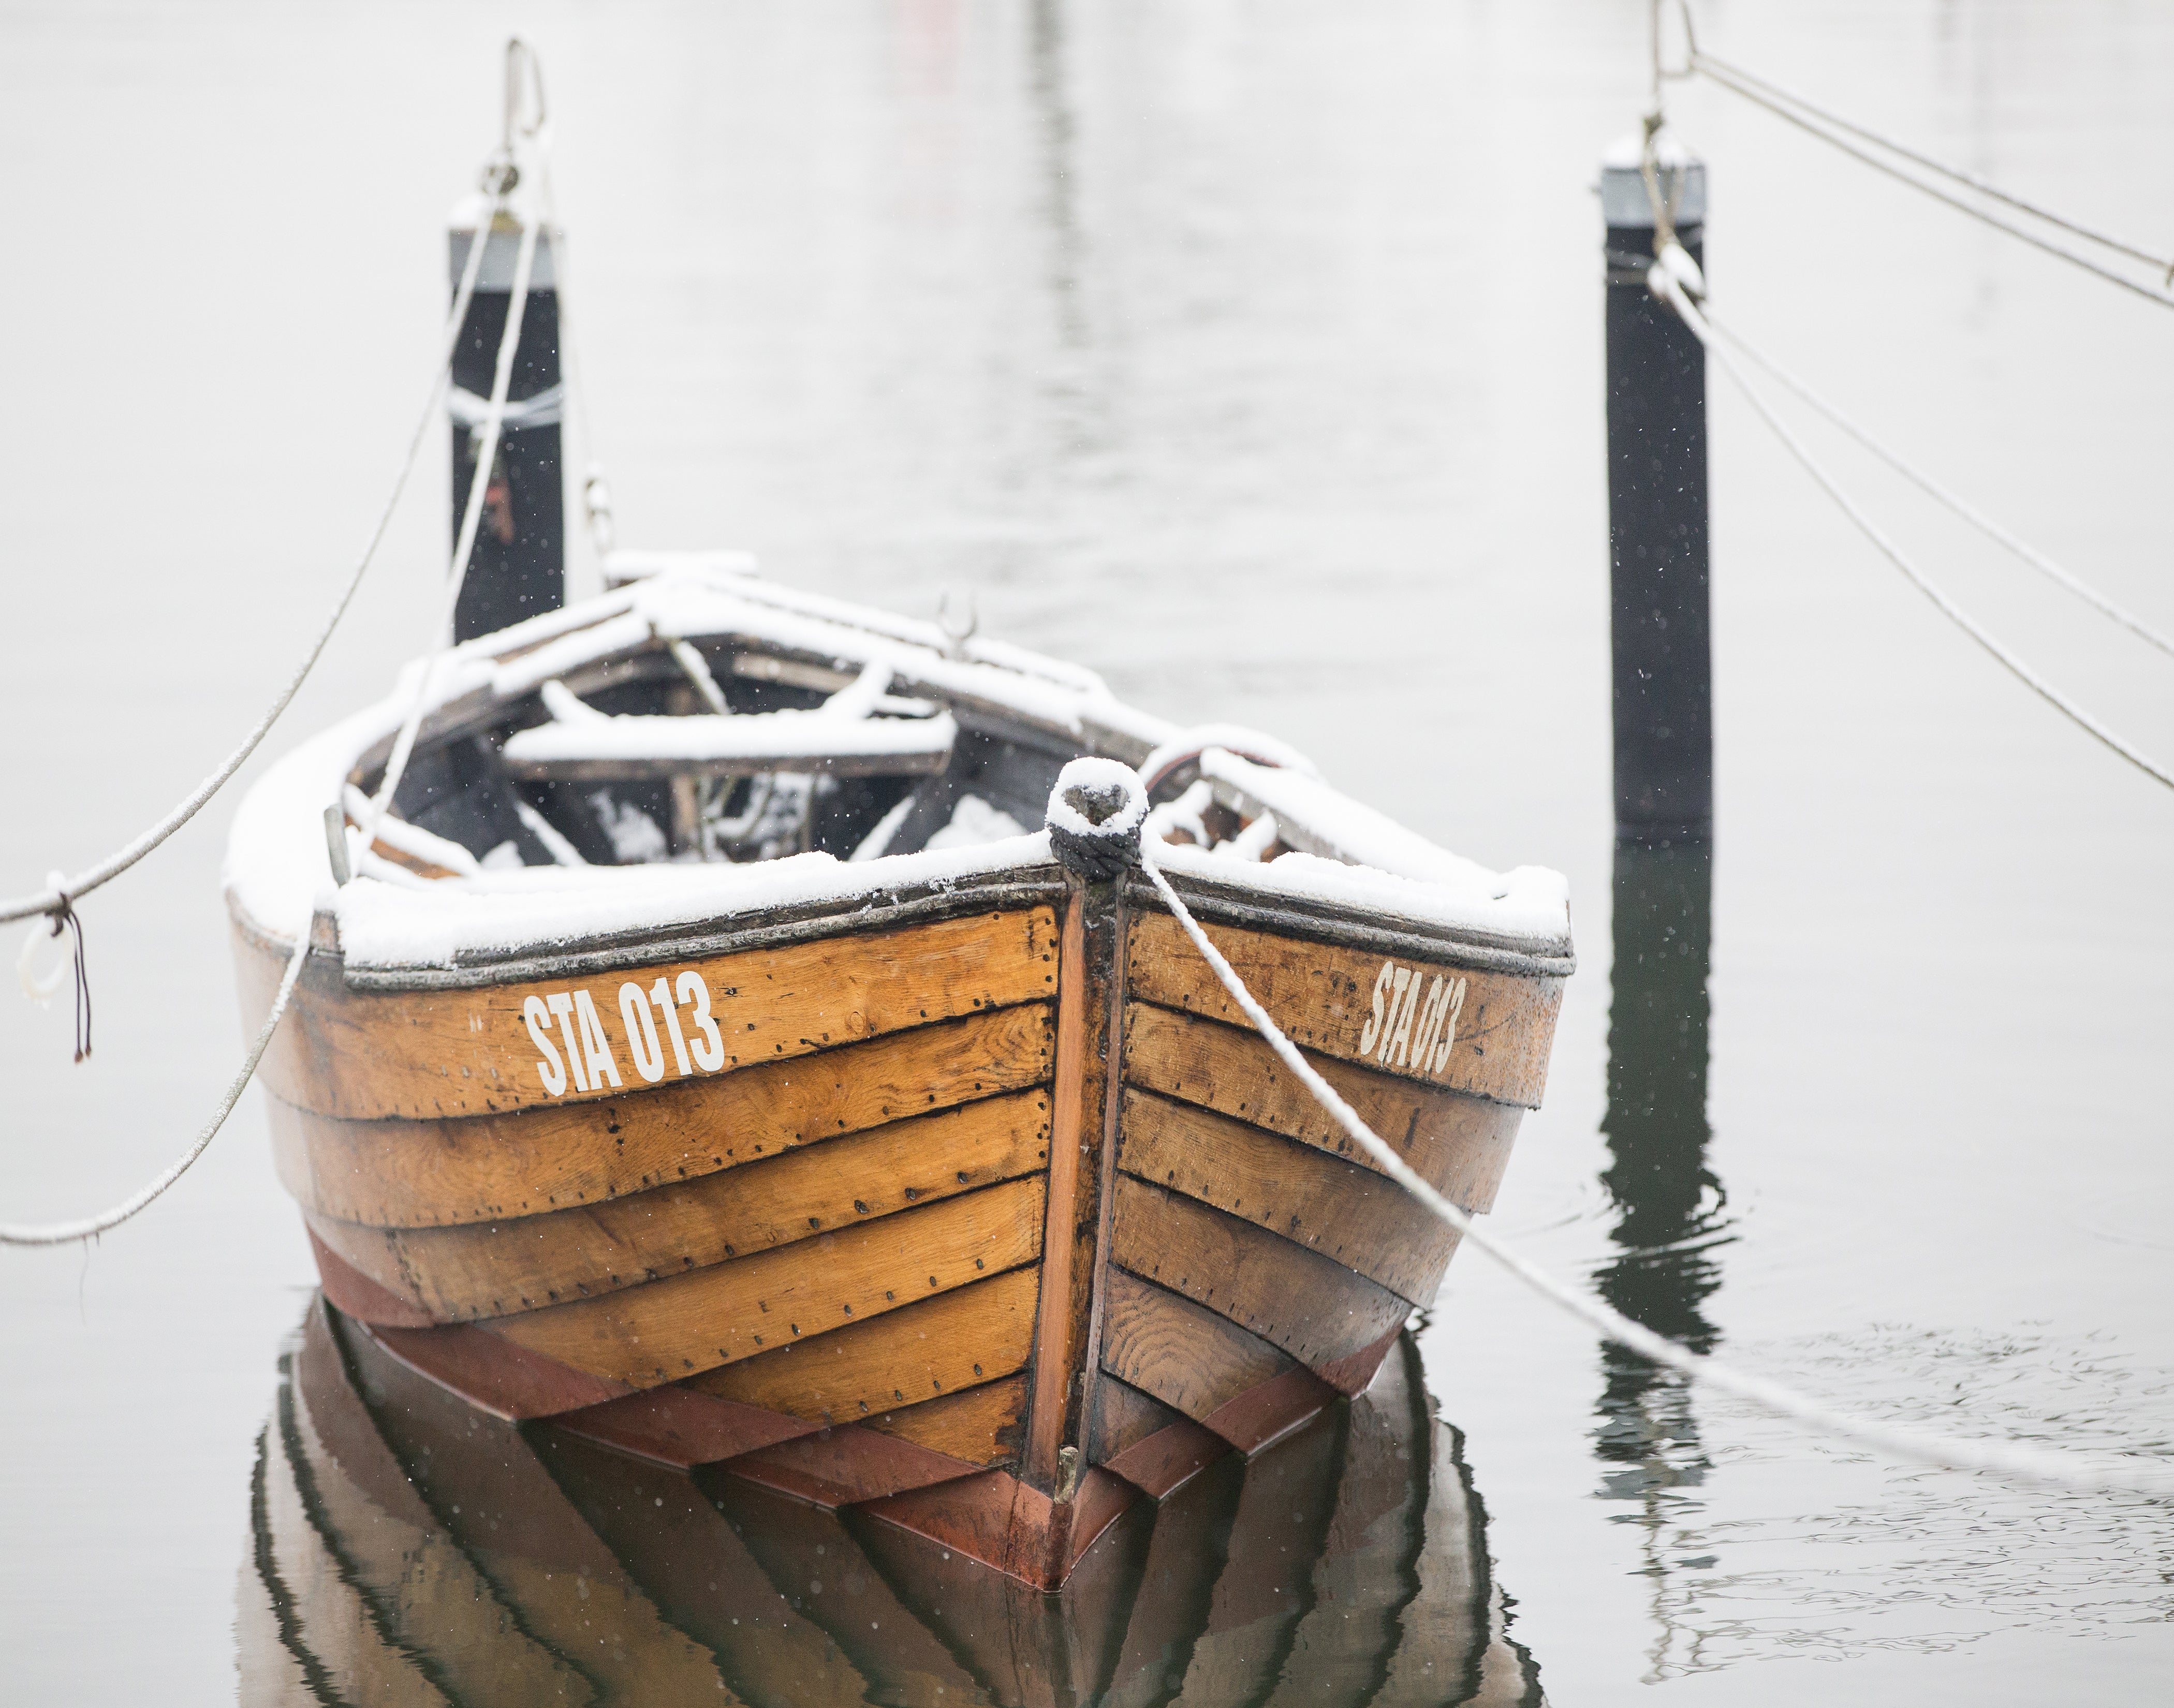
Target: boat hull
(985, 1222)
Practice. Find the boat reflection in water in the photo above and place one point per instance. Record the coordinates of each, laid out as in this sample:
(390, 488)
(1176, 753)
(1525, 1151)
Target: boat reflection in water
(408, 1548)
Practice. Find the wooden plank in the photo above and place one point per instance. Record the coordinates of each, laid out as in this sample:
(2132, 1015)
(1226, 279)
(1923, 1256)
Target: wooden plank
(1190, 1358)
(491, 1373)
(1311, 1306)
(1090, 994)
(682, 1324)
(1159, 1464)
(1261, 1416)
(1321, 1201)
(1009, 1524)
(398, 1173)
(1122, 1414)
(1460, 1145)
(981, 1425)
(359, 1296)
(489, 1269)
(604, 766)
(933, 1346)
(430, 1053)
(848, 1464)
(674, 1425)
(1492, 1040)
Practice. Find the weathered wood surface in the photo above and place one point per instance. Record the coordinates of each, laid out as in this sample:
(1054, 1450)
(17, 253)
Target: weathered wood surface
(1487, 1034)
(970, 1335)
(397, 1173)
(1159, 1464)
(1311, 1306)
(677, 1426)
(1190, 1358)
(981, 1426)
(432, 1053)
(1090, 998)
(1009, 1524)
(1363, 1220)
(1121, 1415)
(492, 1374)
(685, 1324)
(491, 1269)
(844, 1465)
(1263, 1415)
(1459, 1145)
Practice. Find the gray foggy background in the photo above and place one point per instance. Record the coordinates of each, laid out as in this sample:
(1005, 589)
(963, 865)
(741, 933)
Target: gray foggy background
(1249, 353)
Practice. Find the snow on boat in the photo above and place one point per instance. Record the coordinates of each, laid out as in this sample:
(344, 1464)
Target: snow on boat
(740, 1046)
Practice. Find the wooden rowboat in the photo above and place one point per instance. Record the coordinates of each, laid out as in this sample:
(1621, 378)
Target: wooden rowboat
(407, 1549)
(714, 1054)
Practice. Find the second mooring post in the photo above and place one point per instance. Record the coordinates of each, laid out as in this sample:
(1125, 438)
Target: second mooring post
(519, 564)
(1657, 511)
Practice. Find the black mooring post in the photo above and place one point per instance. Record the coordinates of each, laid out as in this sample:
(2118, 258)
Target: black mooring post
(1657, 513)
(519, 565)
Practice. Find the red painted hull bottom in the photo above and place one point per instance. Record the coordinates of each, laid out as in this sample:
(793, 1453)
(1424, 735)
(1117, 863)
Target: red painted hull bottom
(989, 1516)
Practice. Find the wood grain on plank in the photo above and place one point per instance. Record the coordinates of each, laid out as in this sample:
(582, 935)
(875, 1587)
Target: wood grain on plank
(397, 1173)
(1362, 1219)
(489, 1269)
(1190, 1358)
(1121, 1415)
(1324, 997)
(920, 1351)
(432, 1053)
(1311, 1306)
(686, 1323)
(981, 1426)
(1460, 1145)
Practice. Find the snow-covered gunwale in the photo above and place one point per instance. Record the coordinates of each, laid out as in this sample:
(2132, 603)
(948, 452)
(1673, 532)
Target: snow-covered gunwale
(737, 969)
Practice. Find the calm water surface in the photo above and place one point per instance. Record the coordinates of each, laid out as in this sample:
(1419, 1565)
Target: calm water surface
(1250, 354)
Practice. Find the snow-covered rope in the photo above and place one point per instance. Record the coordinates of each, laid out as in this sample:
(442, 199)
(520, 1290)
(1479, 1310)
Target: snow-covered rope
(1815, 122)
(56, 898)
(90, 1227)
(1925, 483)
(2094, 1473)
(1665, 284)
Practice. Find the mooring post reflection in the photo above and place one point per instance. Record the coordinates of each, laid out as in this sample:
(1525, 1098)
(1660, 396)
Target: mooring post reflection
(408, 1547)
(1669, 1204)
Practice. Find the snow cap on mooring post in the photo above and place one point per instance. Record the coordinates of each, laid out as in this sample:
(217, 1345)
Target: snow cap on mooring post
(518, 566)
(1095, 816)
(1653, 194)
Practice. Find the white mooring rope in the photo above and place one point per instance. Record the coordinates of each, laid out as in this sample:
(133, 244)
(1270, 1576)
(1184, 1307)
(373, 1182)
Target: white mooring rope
(1925, 483)
(54, 898)
(88, 1227)
(1832, 129)
(2091, 1473)
(1665, 284)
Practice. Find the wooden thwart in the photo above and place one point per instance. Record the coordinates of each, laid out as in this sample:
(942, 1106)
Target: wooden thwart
(920, 1352)
(1363, 1220)
(1459, 1145)
(1311, 1306)
(1323, 997)
(431, 1053)
(686, 1323)
(398, 1173)
(493, 1269)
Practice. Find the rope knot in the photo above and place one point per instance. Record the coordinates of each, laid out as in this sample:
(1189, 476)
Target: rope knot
(40, 988)
(1095, 815)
